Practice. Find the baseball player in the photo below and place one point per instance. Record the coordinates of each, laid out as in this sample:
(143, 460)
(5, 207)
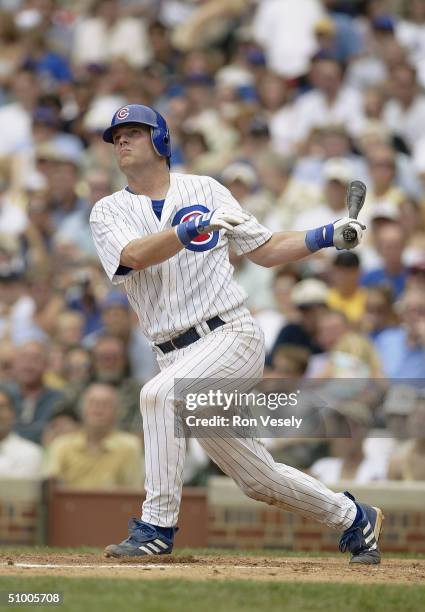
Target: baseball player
(166, 236)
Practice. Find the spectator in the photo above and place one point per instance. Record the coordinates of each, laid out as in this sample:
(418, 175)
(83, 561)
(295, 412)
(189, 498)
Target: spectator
(345, 294)
(382, 169)
(400, 402)
(7, 351)
(19, 458)
(35, 402)
(409, 462)
(15, 117)
(13, 220)
(64, 420)
(330, 102)
(107, 34)
(290, 362)
(78, 368)
(117, 321)
(309, 297)
(98, 456)
(337, 172)
(390, 242)
(286, 31)
(404, 113)
(402, 350)
(348, 426)
(69, 329)
(379, 314)
(62, 174)
(410, 34)
(75, 228)
(271, 320)
(348, 354)
(110, 366)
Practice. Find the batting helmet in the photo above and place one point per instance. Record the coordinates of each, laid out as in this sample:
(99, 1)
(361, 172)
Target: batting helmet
(138, 113)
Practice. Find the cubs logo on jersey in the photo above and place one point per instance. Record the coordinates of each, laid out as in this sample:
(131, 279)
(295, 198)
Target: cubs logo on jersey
(203, 242)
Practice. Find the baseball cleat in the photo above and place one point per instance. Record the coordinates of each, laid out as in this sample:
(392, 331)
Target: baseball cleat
(361, 539)
(143, 540)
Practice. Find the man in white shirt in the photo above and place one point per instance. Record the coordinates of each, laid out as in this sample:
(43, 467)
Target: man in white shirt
(348, 425)
(404, 114)
(330, 102)
(285, 29)
(19, 458)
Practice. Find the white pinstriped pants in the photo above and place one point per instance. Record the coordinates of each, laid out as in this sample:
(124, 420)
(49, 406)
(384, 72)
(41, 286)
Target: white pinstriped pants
(235, 350)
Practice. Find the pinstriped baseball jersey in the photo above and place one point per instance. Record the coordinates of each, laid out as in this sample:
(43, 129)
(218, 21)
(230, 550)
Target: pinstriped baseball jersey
(194, 285)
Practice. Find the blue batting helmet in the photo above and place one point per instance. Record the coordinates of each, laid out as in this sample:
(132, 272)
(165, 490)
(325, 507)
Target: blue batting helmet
(138, 113)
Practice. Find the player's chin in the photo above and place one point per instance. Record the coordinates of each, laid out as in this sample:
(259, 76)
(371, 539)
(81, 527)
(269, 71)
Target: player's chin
(125, 161)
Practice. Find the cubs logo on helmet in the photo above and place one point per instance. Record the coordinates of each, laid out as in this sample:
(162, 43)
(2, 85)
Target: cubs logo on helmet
(123, 113)
(203, 242)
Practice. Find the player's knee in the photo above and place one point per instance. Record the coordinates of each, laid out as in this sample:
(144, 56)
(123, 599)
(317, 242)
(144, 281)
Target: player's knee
(153, 393)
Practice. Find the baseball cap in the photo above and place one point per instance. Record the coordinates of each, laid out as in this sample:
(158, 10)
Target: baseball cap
(386, 211)
(239, 172)
(338, 169)
(325, 26)
(309, 293)
(383, 23)
(354, 411)
(400, 400)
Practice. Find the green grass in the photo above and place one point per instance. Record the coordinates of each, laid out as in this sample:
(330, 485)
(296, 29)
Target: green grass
(167, 595)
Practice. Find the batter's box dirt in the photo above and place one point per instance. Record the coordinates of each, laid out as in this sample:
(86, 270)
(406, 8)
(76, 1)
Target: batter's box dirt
(215, 567)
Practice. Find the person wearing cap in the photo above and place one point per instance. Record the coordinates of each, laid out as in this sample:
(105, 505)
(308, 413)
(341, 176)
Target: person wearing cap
(309, 297)
(345, 293)
(348, 424)
(19, 458)
(116, 320)
(337, 173)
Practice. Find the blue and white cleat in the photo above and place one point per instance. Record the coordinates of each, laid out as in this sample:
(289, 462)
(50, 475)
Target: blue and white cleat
(361, 539)
(143, 540)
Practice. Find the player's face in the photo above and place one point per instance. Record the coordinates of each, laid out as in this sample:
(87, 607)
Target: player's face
(133, 146)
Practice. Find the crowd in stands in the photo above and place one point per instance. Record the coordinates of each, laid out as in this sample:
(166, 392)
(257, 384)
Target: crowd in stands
(283, 101)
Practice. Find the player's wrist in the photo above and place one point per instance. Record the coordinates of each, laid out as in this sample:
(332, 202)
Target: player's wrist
(320, 237)
(187, 231)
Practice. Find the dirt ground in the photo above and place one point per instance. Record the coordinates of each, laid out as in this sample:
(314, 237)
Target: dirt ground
(294, 569)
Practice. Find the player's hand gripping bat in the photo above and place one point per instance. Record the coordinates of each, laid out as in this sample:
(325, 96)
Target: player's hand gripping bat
(356, 194)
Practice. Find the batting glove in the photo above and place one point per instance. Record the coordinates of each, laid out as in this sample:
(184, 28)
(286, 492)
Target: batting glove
(220, 218)
(333, 235)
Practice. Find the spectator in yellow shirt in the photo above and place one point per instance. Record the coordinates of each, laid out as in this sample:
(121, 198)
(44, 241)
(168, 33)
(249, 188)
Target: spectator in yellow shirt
(345, 294)
(98, 456)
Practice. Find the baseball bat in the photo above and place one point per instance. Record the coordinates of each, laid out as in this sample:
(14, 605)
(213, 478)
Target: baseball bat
(356, 194)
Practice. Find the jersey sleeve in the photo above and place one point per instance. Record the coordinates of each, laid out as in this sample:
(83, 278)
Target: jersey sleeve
(111, 234)
(247, 236)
